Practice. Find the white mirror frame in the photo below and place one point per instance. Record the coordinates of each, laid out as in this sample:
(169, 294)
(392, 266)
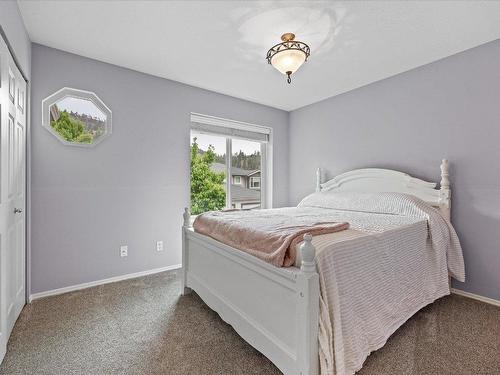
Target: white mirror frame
(80, 94)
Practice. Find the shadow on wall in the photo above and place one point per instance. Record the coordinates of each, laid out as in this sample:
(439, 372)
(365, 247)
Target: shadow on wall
(478, 213)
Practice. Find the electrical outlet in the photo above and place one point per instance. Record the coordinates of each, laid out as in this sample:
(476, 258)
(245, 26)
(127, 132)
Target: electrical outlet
(159, 245)
(123, 251)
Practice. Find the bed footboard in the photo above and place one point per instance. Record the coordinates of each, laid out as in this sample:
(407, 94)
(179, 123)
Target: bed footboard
(274, 309)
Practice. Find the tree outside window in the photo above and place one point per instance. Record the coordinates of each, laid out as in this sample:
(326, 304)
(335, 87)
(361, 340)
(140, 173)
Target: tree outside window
(209, 185)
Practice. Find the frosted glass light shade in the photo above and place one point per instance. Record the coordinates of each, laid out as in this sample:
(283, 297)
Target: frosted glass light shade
(288, 60)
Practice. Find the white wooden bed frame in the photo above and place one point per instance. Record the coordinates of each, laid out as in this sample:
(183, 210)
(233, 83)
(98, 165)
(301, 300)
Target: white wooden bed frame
(276, 309)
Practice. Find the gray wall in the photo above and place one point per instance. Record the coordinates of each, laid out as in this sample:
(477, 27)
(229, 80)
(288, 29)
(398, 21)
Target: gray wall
(131, 188)
(13, 26)
(450, 108)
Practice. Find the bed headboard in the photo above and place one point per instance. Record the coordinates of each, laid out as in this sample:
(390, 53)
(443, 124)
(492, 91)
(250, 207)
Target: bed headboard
(375, 180)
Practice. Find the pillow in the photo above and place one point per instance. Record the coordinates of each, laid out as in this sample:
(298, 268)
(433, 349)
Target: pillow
(382, 203)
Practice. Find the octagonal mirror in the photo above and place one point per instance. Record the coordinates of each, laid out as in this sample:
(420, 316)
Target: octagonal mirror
(76, 117)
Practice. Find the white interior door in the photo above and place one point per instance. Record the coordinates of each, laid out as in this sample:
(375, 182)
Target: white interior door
(12, 194)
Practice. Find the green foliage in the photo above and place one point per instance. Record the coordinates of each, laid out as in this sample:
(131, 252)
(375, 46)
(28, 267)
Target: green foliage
(84, 138)
(72, 130)
(207, 187)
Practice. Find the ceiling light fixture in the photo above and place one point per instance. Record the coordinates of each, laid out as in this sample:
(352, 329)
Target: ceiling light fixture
(289, 55)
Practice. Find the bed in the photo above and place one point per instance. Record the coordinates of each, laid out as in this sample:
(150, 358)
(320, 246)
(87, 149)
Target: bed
(347, 293)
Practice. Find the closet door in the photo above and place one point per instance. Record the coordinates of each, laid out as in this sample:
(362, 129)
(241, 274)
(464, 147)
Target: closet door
(12, 194)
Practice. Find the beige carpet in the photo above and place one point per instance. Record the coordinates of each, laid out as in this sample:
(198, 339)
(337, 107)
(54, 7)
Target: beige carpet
(143, 326)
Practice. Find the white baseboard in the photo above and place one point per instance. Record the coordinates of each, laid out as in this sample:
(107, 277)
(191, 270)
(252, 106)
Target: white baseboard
(477, 297)
(90, 284)
(114, 279)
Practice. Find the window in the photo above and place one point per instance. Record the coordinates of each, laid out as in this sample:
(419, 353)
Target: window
(221, 148)
(254, 182)
(245, 160)
(208, 173)
(76, 117)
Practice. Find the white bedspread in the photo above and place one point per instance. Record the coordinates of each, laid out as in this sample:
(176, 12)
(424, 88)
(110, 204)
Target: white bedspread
(373, 277)
(393, 261)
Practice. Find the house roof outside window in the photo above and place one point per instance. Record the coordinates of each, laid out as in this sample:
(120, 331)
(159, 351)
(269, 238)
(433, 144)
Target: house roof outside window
(240, 193)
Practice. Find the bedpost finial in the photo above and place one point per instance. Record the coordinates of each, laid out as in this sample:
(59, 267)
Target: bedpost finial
(308, 252)
(445, 174)
(187, 217)
(318, 180)
(444, 191)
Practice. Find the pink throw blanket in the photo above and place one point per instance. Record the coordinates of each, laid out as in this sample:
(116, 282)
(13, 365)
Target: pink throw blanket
(273, 241)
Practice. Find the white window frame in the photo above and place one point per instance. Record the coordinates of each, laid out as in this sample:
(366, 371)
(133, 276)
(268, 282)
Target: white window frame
(68, 92)
(236, 128)
(237, 180)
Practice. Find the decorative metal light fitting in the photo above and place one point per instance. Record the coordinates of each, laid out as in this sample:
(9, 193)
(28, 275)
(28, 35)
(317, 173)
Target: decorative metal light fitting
(289, 55)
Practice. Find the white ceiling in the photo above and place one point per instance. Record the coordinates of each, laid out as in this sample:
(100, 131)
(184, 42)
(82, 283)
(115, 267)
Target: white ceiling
(221, 45)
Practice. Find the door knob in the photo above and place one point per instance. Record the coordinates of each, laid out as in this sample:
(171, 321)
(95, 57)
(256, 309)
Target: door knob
(17, 210)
